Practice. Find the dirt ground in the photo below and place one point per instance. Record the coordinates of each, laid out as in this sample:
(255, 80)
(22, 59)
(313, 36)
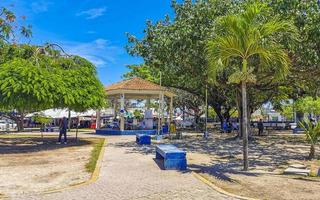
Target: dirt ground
(29, 166)
(219, 159)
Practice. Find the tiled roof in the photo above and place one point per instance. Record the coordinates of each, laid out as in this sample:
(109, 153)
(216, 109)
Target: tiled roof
(134, 84)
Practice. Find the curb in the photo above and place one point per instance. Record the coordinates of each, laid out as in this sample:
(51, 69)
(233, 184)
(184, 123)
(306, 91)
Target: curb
(218, 189)
(94, 177)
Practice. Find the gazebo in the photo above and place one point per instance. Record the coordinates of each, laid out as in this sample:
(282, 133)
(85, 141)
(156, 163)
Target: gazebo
(137, 88)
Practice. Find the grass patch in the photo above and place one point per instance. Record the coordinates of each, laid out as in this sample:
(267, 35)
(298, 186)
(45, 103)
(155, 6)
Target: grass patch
(10, 135)
(91, 165)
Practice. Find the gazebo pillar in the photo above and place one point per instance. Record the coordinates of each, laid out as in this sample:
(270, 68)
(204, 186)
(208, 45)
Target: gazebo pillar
(170, 111)
(122, 112)
(160, 118)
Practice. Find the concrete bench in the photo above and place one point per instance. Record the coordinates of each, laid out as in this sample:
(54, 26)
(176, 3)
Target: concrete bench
(173, 158)
(143, 139)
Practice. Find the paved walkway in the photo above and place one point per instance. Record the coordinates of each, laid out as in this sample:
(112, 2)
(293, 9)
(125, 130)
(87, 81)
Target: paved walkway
(130, 172)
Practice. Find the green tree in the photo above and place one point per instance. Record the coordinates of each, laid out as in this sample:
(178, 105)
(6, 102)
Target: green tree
(33, 79)
(176, 47)
(308, 105)
(26, 88)
(250, 39)
(312, 132)
(143, 71)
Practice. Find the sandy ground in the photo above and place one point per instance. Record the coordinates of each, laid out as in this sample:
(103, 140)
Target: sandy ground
(219, 159)
(28, 166)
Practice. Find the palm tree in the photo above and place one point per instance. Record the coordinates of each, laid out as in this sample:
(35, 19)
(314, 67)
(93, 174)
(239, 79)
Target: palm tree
(249, 41)
(312, 132)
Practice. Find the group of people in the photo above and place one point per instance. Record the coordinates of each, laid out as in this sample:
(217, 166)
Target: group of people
(230, 127)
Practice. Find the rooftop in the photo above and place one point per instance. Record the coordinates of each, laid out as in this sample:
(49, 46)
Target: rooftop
(135, 84)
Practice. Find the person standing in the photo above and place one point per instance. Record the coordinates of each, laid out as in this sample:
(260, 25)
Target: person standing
(260, 127)
(224, 126)
(234, 126)
(63, 130)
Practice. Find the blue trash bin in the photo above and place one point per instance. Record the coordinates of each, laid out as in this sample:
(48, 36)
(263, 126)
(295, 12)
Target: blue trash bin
(165, 129)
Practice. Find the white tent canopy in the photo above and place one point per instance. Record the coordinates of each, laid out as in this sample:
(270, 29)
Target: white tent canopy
(60, 113)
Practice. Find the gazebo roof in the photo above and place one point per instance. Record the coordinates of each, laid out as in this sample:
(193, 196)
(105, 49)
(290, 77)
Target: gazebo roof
(137, 87)
(134, 84)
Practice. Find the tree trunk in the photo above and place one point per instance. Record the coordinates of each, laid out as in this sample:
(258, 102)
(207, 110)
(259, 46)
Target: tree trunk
(312, 152)
(19, 121)
(245, 125)
(239, 107)
(69, 120)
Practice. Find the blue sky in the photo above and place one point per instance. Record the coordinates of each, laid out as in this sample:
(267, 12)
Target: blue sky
(94, 29)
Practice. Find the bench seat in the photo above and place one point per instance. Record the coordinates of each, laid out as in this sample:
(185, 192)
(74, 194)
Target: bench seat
(143, 139)
(173, 157)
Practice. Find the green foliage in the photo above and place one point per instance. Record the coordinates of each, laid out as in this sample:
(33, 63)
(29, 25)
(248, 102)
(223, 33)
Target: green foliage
(312, 131)
(287, 111)
(26, 87)
(41, 119)
(253, 41)
(9, 27)
(308, 105)
(143, 71)
(176, 47)
(31, 81)
(211, 113)
(137, 114)
(305, 55)
(95, 153)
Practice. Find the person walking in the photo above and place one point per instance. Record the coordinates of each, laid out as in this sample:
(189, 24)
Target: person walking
(260, 127)
(63, 130)
(234, 127)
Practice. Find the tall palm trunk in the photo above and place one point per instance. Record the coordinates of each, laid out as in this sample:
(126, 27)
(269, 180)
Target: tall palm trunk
(244, 119)
(239, 107)
(312, 152)
(244, 125)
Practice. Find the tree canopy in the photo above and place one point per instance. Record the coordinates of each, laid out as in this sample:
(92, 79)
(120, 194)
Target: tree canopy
(34, 78)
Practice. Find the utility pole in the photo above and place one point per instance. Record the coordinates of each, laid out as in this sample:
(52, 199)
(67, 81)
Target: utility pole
(160, 107)
(206, 113)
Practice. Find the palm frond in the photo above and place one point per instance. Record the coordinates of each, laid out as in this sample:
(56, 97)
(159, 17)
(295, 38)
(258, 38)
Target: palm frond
(249, 36)
(277, 25)
(312, 131)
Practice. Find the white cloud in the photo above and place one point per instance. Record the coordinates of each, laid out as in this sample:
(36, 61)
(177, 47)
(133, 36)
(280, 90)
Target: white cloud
(100, 51)
(92, 13)
(40, 6)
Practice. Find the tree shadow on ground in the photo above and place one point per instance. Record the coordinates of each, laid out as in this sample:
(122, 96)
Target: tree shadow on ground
(18, 145)
(266, 153)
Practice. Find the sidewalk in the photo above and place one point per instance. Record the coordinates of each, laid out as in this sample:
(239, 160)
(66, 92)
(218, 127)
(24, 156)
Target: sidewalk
(128, 173)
